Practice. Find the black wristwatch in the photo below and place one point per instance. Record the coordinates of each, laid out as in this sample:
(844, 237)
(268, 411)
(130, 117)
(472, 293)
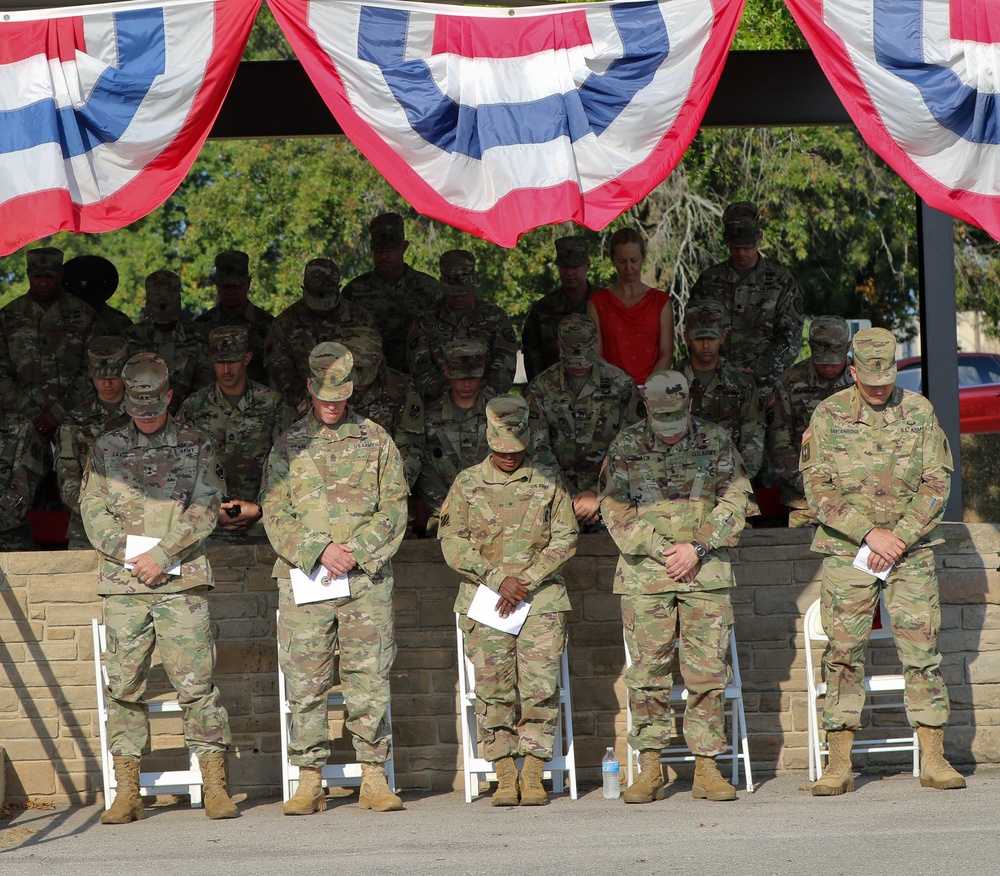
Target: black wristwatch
(700, 549)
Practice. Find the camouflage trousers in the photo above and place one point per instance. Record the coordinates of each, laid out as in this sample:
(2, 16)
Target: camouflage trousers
(178, 624)
(650, 634)
(849, 598)
(362, 629)
(508, 668)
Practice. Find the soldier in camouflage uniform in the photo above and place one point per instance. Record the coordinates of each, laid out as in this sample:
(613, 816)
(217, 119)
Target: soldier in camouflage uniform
(320, 316)
(232, 284)
(43, 345)
(454, 426)
(674, 497)
(335, 496)
(540, 338)
(22, 467)
(94, 279)
(721, 393)
(508, 524)
(796, 394)
(86, 423)
(182, 343)
(243, 418)
(393, 292)
(577, 407)
(461, 314)
(156, 478)
(762, 303)
(387, 397)
(877, 472)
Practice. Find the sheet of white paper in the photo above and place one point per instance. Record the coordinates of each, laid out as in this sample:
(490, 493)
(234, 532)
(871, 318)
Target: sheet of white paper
(861, 562)
(139, 544)
(483, 611)
(318, 586)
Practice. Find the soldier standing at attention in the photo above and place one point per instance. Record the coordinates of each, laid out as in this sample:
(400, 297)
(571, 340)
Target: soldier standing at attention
(392, 292)
(674, 496)
(721, 393)
(796, 395)
(578, 406)
(761, 302)
(182, 343)
(243, 418)
(86, 423)
(335, 495)
(454, 426)
(460, 314)
(508, 523)
(232, 279)
(877, 472)
(43, 345)
(320, 316)
(156, 478)
(539, 340)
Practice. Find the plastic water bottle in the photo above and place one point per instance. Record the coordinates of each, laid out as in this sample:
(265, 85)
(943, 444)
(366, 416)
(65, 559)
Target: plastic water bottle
(610, 771)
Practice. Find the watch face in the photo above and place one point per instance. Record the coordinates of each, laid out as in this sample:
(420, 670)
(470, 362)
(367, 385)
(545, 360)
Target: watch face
(700, 550)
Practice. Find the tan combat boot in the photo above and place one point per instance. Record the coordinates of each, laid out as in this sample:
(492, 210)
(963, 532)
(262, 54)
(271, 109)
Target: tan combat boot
(935, 771)
(375, 791)
(837, 778)
(309, 796)
(506, 793)
(709, 783)
(218, 803)
(532, 790)
(128, 804)
(648, 785)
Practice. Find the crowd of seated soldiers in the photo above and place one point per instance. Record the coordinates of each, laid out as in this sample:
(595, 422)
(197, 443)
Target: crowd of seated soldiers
(428, 354)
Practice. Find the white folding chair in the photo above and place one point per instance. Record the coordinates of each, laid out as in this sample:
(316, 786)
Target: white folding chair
(882, 691)
(150, 783)
(340, 775)
(739, 748)
(476, 769)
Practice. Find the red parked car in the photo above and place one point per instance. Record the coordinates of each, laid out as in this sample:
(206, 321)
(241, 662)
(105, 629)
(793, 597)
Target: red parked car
(978, 389)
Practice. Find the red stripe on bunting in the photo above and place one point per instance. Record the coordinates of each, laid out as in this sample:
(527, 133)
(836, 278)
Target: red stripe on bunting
(22, 40)
(471, 37)
(979, 23)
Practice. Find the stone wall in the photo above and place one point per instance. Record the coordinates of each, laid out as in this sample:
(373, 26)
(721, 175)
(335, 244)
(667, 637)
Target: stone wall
(48, 719)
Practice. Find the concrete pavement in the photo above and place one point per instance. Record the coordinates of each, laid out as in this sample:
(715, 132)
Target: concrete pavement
(889, 826)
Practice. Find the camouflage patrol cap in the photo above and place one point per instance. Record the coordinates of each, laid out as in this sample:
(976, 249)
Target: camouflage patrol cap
(829, 338)
(386, 232)
(229, 343)
(507, 424)
(106, 357)
(46, 260)
(705, 319)
(232, 268)
(667, 402)
(465, 358)
(458, 272)
(577, 341)
(365, 344)
(147, 385)
(572, 252)
(331, 365)
(163, 296)
(321, 284)
(741, 224)
(875, 356)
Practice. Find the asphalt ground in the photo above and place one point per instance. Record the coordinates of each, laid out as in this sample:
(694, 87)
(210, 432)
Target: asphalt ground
(890, 825)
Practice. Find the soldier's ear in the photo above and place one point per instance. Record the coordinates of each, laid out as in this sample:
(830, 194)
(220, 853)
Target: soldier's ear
(248, 357)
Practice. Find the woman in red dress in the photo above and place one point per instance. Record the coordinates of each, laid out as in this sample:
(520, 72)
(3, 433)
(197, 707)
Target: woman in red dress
(635, 323)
